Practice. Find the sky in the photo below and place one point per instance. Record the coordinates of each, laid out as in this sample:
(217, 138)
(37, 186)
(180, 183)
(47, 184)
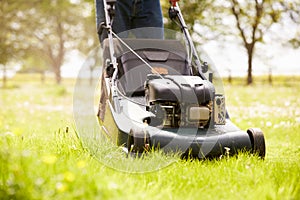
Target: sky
(281, 60)
(228, 57)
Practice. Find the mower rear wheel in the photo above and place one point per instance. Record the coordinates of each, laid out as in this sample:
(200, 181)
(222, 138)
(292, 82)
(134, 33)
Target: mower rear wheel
(257, 141)
(129, 142)
(138, 140)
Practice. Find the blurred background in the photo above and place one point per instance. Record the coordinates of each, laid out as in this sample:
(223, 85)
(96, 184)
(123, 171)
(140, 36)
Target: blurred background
(53, 38)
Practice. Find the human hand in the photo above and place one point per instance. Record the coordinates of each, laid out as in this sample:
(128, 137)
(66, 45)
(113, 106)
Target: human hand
(173, 2)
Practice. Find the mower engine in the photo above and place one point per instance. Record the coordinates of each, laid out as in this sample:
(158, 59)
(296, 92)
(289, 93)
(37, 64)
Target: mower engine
(178, 100)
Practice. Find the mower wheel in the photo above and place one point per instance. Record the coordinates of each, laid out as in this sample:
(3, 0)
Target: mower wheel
(129, 142)
(257, 141)
(138, 140)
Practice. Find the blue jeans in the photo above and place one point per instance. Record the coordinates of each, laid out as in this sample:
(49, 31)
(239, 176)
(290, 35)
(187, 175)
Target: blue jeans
(132, 14)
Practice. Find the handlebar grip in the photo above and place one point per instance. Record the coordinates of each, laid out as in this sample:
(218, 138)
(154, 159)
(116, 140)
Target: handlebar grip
(173, 2)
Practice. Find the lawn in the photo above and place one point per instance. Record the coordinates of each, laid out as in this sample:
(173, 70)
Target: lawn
(42, 157)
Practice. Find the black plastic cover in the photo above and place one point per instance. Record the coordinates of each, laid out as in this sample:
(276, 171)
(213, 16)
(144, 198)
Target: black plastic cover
(133, 72)
(182, 89)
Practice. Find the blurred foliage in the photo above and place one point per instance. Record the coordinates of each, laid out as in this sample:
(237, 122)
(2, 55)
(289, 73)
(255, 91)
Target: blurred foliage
(44, 31)
(194, 12)
(7, 49)
(293, 10)
(40, 33)
(246, 22)
(253, 19)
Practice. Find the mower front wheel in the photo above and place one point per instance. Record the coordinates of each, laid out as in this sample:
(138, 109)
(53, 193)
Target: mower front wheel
(257, 142)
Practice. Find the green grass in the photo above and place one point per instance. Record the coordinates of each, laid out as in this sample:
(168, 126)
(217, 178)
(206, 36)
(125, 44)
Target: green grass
(41, 156)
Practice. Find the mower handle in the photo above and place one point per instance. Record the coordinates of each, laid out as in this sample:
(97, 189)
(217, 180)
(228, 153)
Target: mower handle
(111, 1)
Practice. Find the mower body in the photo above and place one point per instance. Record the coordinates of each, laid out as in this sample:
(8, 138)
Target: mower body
(170, 105)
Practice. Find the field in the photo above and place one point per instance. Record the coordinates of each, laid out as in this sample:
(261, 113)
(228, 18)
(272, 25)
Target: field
(42, 157)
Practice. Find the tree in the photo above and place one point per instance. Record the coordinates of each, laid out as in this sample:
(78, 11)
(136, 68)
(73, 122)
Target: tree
(293, 10)
(8, 50)
(35, 64)
(247, 20)
(253, 20)
(45, 29)
(59, 26)
(194, 13)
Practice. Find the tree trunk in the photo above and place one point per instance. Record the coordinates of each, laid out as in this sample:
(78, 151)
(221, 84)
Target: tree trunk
(270, 79)
(250, 48)
(229, 76)
(4, 77)
(57, 76)
(91, 76)
(249, 75)
(43, 77)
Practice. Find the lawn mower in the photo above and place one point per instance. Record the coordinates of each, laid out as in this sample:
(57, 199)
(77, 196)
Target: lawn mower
(160, 94)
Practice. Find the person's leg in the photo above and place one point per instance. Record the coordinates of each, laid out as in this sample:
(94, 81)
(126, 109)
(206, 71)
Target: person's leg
(147, 13)
(99, 12)
(152, 11)
(121, 21)
(100, 18)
